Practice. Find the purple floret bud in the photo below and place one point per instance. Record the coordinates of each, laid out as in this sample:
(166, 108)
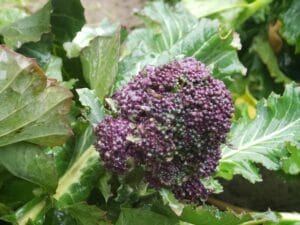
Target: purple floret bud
(172, 121)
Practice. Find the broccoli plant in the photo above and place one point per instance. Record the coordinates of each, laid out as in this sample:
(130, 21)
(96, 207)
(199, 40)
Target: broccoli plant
(191, 118)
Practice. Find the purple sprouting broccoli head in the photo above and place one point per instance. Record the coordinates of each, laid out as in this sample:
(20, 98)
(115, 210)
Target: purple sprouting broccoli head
(172, 120)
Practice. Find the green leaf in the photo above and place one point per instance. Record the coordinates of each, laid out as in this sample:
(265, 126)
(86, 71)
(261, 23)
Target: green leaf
(172, 33)
(143, 217)
(100, 63)
(95, 112)
(10, 11)
(291, 164)
(169, 198)
(53, 68)
(35, 109)
(231, 12)
(29, 162)
(67, 19)
(88, 33)
(104, 185)
(290, 29)
(263, 139)
(262, 47)
(27, 29)
(211, 216)
(75, 185)
(86, 214)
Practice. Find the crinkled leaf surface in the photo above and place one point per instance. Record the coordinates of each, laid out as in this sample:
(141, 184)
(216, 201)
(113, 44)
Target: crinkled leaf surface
(27, 29)
(33, 109)
(262, 47)
(291, 19)
(262, 140)
(29, 161)
(170, 33)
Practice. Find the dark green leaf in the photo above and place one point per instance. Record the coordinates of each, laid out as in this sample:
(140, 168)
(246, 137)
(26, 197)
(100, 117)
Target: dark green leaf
(86, 214)
(67, 19)
(290, 30)
(29, 162)
(143, 217)
(264, 50)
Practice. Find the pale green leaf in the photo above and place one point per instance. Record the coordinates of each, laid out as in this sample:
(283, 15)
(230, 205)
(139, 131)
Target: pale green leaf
(100, 63)
(290, 29)
(262, 47)
(29, 162)
(32, 108)
(263, 139)
(291, 164)
(53, 68)
(27, 29)
(95, 111)
(88, 33)
(171, 33)
(104, 185)
(232, 13)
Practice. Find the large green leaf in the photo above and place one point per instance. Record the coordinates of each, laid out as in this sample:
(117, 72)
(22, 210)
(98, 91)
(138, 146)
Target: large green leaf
(86, 214)
(75, 185)
(262, 47)
(212, 216)
(11, 11)
(263, 139)
(33, 109)
(143, 217)
(230, 12)
(100, 63)
(29, 161)
(27, 29)
(67, 19)
(170, 33)
(290, 30)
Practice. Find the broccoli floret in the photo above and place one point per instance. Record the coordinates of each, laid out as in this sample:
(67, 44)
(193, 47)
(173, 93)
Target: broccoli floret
(172, 120)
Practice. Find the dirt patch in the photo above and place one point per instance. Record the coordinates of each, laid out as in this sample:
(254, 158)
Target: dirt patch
(114, 10)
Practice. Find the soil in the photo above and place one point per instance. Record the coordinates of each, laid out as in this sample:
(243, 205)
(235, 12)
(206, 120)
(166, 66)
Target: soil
(114, 10)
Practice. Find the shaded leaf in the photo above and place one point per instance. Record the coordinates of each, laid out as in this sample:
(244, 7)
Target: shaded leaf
(67, 19)
(35, 109)
(290, 30)
(29, 162)
(264, 50)
(143, 217)
(86, 214)
(262, 140)
(104, 185)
